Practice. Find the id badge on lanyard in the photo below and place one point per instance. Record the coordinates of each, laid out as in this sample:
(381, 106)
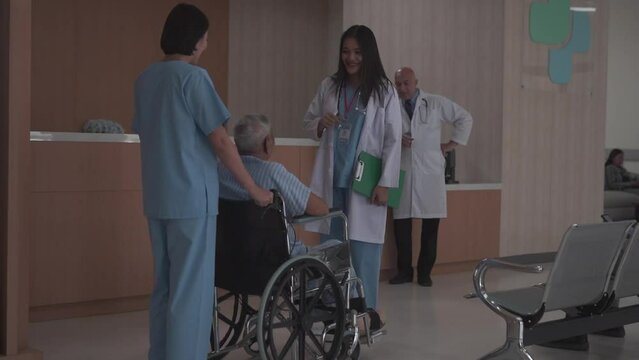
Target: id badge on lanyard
(344, 131)
(345, 127)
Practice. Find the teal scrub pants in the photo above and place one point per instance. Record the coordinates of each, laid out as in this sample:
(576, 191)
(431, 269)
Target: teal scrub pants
(181, 308)
(365, 257)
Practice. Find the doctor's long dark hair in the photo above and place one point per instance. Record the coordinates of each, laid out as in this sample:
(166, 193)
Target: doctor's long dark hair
(373, 78)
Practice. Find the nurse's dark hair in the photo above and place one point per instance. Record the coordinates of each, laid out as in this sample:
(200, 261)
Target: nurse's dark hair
(183, 28)
(373, 79)
(612, 155)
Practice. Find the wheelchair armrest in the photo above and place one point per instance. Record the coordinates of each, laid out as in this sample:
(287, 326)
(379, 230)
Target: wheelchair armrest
(303, 219)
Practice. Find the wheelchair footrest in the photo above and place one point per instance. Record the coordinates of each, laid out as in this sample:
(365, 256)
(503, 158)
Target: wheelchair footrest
(374, 336)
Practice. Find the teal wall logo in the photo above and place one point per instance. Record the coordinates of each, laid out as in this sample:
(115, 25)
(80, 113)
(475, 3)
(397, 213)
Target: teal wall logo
(555, 23)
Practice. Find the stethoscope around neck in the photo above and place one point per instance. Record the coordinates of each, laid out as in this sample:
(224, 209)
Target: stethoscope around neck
(339, 96)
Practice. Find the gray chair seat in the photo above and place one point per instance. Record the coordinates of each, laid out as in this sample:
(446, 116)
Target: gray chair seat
(580, 276)
(524, 301)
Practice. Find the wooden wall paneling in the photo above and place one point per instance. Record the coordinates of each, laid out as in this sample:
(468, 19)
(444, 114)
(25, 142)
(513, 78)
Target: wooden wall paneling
(277, 59)
(5, 324)
(88, 308)
(86, 167)
(289, 157)
(307, 161)
(106, 38)
(334, 29)
(100, 48)
(53, 67)
(88, 246)
(88, 223)
(469, 233)
(15, 80)
(216, 58)
(553, 137)
(456, 49)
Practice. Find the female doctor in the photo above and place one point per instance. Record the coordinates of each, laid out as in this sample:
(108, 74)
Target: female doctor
(356, 109)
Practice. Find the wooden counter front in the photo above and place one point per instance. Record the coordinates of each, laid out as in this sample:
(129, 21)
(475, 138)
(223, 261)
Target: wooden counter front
(469, 233)
(90, 250)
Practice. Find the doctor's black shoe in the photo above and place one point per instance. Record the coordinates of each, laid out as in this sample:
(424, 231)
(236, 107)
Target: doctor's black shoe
(425, 281)
(400, 279)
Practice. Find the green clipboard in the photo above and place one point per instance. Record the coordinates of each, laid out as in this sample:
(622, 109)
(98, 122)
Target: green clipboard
(367, 174)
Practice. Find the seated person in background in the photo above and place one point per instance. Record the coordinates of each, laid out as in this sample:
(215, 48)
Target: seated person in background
(617, 177)
(255, 144)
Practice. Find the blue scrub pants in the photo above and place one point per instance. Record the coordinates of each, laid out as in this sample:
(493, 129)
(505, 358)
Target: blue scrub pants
(366, 257)
(181, 308)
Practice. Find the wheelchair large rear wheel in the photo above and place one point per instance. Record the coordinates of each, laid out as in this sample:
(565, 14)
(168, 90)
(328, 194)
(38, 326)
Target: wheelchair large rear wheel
(232, 311)
(302, 313)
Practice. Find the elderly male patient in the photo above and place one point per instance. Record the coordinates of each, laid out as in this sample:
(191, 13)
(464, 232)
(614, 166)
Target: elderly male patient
(255, 144)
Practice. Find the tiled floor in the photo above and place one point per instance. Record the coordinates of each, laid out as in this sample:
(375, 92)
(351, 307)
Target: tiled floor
(423, 323)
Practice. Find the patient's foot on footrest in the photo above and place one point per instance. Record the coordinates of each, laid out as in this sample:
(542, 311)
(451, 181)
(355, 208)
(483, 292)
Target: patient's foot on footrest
(575, 343)
(376, 321)
(617, 332)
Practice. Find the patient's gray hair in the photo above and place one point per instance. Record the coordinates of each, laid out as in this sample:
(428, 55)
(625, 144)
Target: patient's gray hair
(250, 132)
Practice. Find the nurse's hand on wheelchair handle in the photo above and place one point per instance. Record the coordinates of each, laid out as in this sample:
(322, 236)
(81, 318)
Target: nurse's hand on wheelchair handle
(262, 197)
(380, 196)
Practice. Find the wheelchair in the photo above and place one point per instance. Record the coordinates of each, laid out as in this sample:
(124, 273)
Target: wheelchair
(275, 306)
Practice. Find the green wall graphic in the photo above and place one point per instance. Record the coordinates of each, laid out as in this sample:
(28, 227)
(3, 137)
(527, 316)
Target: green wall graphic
(550, 24)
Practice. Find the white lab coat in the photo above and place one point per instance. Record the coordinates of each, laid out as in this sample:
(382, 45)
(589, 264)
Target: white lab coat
(424, 194)
(381, 137)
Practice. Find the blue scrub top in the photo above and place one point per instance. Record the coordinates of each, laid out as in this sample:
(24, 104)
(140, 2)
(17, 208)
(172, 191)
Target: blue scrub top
(176, 108)
(347, 136)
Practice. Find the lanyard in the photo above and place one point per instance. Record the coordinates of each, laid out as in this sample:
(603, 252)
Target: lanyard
(348, 106)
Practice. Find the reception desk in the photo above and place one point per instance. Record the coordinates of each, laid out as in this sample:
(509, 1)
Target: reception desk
(90, 251)
(469, 233)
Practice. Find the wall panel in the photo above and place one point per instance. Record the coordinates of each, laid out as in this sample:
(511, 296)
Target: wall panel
(15, 112)
(89, 235)
(88, 53)
(622, 127)
(553, 137)
(88, 246)
(469, 233)
(456, 49)
(280, 51)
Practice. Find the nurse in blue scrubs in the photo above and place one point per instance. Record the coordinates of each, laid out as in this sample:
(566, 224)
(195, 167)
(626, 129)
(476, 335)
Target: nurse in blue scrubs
(179, 117)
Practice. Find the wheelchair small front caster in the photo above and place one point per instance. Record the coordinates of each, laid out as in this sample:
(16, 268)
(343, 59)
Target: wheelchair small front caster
(346, 345)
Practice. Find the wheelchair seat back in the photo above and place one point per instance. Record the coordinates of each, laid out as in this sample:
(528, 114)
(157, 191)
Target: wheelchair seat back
(251, 244)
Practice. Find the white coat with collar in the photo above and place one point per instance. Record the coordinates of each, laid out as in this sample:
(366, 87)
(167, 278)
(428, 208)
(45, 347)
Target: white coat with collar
(380, 136)
(424, 194)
